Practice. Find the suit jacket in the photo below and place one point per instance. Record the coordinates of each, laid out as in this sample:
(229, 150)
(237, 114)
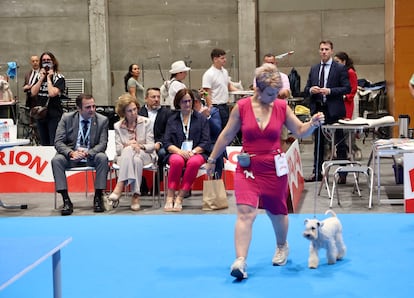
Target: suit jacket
(338, 82)
(160, 122)
(31, 101)
(199, 132)
(68, 130)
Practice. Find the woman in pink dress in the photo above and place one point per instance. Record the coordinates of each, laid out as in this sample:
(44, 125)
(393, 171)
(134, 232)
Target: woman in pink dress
(256, 184)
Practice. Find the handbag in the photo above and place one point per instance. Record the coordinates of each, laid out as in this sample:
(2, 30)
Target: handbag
(39, 112)
(214, 195)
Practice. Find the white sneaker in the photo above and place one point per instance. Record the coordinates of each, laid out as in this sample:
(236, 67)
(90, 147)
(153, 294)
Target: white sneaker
(281, 255)
(238, 269)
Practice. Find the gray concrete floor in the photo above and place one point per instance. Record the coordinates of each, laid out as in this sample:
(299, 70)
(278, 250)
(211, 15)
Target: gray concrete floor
(42, 204)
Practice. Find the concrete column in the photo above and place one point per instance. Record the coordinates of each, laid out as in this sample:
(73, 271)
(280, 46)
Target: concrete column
(399, 57)
(99, 47)
(247, 40)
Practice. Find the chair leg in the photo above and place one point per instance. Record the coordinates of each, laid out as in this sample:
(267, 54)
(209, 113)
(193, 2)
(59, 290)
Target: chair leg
(332, 193)
(55, 199)
(371, 176)
(356, 178)
(86, 184)
(165, 173)
(155, 181)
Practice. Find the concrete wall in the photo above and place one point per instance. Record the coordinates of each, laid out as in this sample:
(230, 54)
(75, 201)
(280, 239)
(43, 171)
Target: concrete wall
(156, 33)
(354, 26)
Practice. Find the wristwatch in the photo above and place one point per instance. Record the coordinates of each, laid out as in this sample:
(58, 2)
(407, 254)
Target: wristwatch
(211, 160)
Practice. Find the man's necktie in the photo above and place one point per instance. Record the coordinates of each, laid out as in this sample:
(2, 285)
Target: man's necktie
(84, 137)
(322, 76)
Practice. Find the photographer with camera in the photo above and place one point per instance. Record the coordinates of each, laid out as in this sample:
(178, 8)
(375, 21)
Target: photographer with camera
(48, 88)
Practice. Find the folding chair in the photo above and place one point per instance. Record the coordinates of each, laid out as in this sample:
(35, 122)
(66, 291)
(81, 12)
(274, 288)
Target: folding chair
(114, 167)
(326, 166)
(85, 169)
(356, 170)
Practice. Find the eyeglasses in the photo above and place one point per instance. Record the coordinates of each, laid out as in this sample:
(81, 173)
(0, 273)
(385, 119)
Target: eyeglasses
(186, 101)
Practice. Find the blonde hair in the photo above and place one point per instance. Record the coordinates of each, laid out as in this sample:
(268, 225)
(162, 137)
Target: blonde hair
(269, 75)
(123, 101)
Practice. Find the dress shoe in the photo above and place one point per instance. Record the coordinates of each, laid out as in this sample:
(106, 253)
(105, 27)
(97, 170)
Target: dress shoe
(312, 178)
(341, 180)
(98, 205)
(67, 208)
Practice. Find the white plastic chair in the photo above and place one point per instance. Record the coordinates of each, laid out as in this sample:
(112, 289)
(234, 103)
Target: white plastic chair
(356, 170)
(114, 167)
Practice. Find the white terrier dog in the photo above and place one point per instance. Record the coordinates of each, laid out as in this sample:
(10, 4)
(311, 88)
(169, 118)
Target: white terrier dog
(324, 234)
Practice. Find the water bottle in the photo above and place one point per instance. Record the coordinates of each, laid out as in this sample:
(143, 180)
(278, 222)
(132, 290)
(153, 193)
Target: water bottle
(2, 131)
(6, 132)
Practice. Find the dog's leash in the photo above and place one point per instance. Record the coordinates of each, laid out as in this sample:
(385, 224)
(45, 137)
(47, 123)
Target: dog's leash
(316, 172)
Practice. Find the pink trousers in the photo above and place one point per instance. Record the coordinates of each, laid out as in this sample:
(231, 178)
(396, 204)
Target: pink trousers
(182, 173)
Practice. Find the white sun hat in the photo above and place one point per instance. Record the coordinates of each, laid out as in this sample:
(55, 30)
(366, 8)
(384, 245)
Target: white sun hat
(179, 66)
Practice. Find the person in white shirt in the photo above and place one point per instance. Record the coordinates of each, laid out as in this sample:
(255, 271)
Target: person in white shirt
(216, 84)
(285, 90)
(411, 85)
(178, 73)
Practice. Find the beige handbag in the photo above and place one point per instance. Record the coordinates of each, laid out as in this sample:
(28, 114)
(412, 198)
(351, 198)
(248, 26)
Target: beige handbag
(214, 195)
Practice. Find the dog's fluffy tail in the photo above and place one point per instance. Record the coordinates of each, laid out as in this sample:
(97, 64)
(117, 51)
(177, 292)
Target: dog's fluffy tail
(331, 212)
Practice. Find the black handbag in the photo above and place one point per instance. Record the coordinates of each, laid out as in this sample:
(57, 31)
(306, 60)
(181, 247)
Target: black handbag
(39, 112)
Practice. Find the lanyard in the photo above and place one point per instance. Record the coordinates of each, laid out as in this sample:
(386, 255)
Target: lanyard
(186, 131)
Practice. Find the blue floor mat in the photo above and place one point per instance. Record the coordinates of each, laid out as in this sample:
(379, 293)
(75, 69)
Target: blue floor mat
(190, 256)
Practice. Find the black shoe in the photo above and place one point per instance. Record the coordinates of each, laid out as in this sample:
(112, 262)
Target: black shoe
(312, 178)
(341, 180)
(67, 208)
(98, 205)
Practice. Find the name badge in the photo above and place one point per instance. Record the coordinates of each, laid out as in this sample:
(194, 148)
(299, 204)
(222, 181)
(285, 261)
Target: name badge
(187, 145)
(281, 164)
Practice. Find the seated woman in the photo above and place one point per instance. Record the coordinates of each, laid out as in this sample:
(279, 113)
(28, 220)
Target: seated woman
(134, 140)
(187, 141)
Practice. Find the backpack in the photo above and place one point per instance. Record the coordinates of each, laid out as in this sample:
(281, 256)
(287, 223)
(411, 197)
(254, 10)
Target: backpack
(294, 81)
(164, 89)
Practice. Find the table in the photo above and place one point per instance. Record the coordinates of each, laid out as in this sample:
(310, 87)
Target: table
(20, 255)
(12, 105)
(387, 148)
(374, 155)
(351, 128)
(12, 143)
(346, 127)
(236, 95)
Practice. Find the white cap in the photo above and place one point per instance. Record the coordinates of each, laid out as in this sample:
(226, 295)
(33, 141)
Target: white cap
(179, 66)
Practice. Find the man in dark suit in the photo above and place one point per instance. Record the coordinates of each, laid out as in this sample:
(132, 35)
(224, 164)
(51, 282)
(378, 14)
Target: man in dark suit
(327, 84)
(29, 79)
(81, 140)
(159, 116)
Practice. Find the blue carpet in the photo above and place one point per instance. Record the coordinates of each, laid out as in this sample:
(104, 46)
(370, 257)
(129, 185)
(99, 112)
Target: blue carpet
(190, 256)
